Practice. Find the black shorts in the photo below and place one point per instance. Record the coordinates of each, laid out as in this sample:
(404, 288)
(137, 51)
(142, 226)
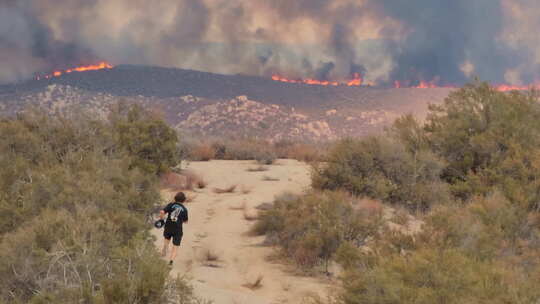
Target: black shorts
(175, 235)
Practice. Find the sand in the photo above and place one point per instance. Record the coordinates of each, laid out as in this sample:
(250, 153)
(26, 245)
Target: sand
(217, 223)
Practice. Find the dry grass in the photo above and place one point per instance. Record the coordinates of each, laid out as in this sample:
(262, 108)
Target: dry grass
(229, 189)
(203, 152)
(255, 283)
(401, 217)
(368, 205)
(260, 168)
(267, 178)
(209, 258)
(245, 189)
(185, 180)
(303, 152)
(201, 184)
(250, 216)
(265, 206)
(193, 180)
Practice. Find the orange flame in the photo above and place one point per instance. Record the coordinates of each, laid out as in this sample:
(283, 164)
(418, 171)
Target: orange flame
(100, 66)
(508, 88)
(356, 81)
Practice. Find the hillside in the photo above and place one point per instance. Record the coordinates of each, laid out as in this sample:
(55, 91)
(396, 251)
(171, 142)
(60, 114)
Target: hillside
(223, 105)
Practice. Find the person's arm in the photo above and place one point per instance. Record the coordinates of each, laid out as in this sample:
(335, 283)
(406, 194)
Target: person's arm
(163, 211)
(185, 215)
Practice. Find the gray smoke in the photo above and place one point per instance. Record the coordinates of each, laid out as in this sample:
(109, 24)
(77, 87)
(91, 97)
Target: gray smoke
(384, 40)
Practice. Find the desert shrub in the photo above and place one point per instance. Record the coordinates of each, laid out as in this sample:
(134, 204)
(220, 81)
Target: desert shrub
(302, 151)
(312, 227)
(488, 138)
(429, 276)
(383, 169)
(263, 151)
(203, 152)
(482, 252)
(74, 226)
(152, 144)
(250, 149)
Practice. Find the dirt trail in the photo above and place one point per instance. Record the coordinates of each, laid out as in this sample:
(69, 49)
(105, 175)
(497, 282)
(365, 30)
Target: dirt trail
(217, 223)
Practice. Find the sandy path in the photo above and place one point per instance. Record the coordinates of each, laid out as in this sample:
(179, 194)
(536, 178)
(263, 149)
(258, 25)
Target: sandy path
(215, 224)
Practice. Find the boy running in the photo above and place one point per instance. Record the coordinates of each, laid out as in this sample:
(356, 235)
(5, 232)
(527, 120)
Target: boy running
(177, 214)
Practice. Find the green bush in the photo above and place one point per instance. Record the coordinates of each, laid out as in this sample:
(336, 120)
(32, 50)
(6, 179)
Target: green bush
(312, 227)
(430, 276)
(149, 140)
(488, 138)
(484, 252)
(73, 199)
(383, 169)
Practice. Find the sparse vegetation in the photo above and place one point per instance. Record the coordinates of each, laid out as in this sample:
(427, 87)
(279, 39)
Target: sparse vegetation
(267, 178)
(193, 180)
(185, 180)
(262, 151)
(260, 168)
(256, 283)
(203, 152)
(201, 184)
(229, 189)
(209, 258)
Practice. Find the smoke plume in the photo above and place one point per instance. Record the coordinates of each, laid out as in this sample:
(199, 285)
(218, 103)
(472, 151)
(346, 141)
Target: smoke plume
(383, 40)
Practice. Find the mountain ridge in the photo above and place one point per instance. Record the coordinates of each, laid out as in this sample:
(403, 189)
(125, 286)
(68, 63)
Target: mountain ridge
(264, 107)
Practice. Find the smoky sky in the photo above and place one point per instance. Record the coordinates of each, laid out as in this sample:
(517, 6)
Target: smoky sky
(384, 40)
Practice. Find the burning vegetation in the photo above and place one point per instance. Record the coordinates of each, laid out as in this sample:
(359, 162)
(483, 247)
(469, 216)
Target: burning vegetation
(94, 67)
(357, 81)
(354, 82)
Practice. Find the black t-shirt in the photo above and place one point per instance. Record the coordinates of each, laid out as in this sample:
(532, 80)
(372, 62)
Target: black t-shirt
(176, 215)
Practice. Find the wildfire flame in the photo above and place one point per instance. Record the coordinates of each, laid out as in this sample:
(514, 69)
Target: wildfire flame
(356, 81)
(100, 66)
(508, 88)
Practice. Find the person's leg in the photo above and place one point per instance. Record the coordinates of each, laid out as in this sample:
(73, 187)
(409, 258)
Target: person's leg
(176, 243)
(166, 240)
(165, 246)
(173, 252)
